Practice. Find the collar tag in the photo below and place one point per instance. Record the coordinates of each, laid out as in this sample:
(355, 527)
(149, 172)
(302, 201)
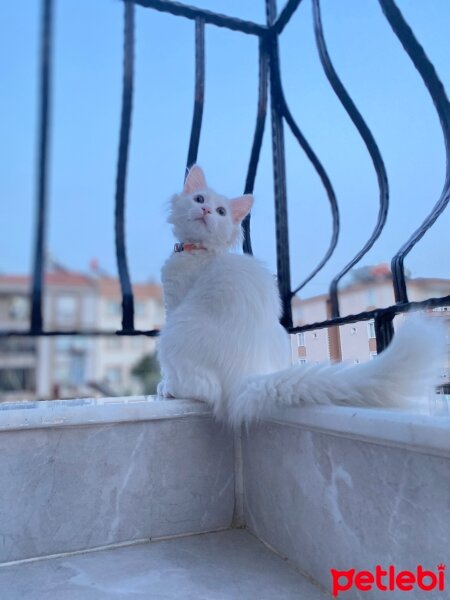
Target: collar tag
(182, 247)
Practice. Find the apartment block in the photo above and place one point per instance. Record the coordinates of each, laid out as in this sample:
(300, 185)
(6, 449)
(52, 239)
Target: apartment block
(356, 342)
(69, 366)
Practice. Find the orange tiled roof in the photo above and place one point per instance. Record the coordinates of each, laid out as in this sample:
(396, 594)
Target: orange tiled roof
(107, 286)
(110, 287)
(52, 278)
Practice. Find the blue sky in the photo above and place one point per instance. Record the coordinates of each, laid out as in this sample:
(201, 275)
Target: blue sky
(85, 127)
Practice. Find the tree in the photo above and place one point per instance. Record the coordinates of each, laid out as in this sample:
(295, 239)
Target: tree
(148, 373)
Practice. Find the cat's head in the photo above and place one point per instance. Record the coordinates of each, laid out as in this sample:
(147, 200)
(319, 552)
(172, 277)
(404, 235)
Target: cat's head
(201, 216)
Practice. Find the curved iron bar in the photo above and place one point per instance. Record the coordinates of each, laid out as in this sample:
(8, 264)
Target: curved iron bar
(193, 12)
(279, 174)
(313, 158)
(330, 193)
(125, 125)
(199, 94)
(285, 15)
(371, 146)
(437, 92)
(36, 322)
(257, 140)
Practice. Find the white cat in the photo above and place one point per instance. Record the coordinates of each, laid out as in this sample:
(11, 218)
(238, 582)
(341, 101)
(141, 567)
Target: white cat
(223, 344)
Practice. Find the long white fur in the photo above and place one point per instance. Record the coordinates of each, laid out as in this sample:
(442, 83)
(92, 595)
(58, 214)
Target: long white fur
(223, 344)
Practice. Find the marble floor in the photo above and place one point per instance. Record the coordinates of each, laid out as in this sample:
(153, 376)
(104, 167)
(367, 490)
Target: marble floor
(228, 565)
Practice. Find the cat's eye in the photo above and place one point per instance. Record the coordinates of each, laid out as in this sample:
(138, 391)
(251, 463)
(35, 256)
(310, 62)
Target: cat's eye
(200, 199)
(221, 211)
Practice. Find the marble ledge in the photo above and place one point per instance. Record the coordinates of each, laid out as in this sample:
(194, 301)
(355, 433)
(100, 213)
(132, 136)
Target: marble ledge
(95, 411)
(423, 433)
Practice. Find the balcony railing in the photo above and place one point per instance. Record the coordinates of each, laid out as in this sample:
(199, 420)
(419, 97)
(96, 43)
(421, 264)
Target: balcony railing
(268, 35)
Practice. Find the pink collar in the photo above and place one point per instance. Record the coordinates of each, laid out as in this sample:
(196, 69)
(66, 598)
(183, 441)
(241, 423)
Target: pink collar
(187, 247)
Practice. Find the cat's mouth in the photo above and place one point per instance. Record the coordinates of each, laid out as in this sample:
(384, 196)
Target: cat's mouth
(202, 220)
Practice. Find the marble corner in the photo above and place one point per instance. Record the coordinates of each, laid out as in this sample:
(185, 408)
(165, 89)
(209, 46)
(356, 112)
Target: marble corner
(71, 488)
(330, 502)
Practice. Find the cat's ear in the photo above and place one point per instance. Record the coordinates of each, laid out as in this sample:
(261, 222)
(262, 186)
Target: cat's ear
(240, 207)
(195, 180)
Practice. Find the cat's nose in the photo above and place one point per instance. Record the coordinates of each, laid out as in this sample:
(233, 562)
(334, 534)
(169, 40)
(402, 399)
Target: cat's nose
(206, 210)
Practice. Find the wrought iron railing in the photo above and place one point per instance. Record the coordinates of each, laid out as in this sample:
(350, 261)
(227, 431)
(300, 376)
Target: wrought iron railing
(269, 79)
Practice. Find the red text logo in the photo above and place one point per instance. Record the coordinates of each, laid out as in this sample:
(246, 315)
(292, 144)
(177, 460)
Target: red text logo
(388, 580)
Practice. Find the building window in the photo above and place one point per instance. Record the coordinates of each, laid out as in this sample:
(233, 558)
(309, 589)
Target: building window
(139, 309)
(114, 343)
(370, 297)
(114, 375)
(66, 309)
(17, 380)
(302, 361)
(301, 339)
(371, 330)
(114, 308)
(138, 342)
(62, 373)
(77, 368)
(18, 308)
(17, 345)
(63, 343)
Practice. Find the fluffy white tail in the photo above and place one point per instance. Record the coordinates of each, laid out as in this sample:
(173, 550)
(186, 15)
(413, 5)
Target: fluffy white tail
(405, 370)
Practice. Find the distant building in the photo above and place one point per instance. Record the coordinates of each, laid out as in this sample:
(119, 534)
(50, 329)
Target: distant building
(116, 356)
(66, 363)
(356, 342)
(71, 366)
(18, 356)
(76, 366)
